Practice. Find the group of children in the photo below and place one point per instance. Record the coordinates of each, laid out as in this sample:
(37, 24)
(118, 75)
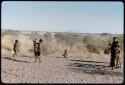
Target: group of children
(36, 45)
(37, 49)
(115, 52)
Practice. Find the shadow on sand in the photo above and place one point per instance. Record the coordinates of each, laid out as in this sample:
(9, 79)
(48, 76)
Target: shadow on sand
(8, 58)
(26, 56)
(88, 61)
(60, 57)
(92, 68)
(31, 50)
(11, 73)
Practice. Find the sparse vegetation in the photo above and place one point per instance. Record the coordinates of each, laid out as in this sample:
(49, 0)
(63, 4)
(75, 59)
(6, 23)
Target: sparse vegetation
(77, 45)
(105, 34)
(34, 35)
(7, 48)
(120, 39)
(92, 48)
(10, 32)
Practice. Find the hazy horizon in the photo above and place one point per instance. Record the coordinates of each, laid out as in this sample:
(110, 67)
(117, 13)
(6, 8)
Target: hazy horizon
(62, 31)
(50, 16)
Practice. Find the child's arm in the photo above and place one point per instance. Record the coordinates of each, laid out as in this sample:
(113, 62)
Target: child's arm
(118, 50)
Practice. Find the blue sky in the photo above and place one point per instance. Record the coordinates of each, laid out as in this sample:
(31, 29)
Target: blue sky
(83, 17)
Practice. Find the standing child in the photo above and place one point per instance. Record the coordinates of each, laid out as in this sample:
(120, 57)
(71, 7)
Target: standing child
(37, 50)
(117, 54)
(15, 48)
(113, 56)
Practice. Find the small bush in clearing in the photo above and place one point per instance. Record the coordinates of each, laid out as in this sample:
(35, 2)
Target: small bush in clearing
(93, 48)
(7, 48)
(107, 51)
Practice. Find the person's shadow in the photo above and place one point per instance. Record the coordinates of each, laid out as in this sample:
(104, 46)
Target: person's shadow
(31, 50)
(92, 68)
(9, 58)
(26, 56)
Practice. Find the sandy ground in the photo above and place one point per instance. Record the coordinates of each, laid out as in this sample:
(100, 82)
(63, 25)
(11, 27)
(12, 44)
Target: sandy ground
(56, 69)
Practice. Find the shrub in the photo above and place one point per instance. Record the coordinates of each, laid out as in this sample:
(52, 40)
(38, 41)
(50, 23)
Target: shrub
(77, 45)
(87, 39)
(105, 34)
(65, 37)
(48, 36)
(9, 40)
(69, 39)
(107, 51)
(34, 35)
(120, 39)
(93, 48)
(92, 43)
(10, 32)
(7, 48)
(48, 47)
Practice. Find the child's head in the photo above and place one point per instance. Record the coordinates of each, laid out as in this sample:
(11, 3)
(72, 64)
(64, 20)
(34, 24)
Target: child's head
(34, 42)
(114, 38)
(40, 40)
(16, 41)
(116, 42)
(109, 44)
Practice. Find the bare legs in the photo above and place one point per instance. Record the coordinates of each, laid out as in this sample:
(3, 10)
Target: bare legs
(15, 53)
(36, 58)
(118, 62)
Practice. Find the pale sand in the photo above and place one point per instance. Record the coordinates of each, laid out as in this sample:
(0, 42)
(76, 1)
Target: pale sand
(56, 69)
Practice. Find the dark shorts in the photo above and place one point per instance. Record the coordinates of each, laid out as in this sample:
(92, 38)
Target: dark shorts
(15, 50)
(113, 57)
(37, 53)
